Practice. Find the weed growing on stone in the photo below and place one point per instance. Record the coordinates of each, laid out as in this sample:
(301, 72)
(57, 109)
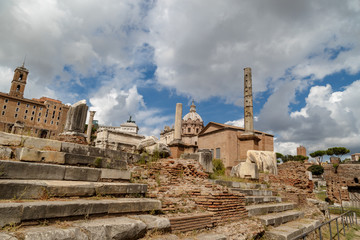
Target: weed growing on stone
(12, 227)
(98, 162)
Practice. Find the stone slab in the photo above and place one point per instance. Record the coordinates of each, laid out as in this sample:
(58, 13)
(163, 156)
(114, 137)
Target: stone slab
(211, 236)
(260, 209)
(242, 185)
(16, 212)
(24, 170)
(82, 174)
(119, 188)
(34, 155)
(5, 152)
(115, 174)
(253, 192)
(52, 233)
(92, 161)
(41, 144)
(276, 219)
(262, 199)
(292, 229)
(4, 236)
(154, 222)
(8, 139)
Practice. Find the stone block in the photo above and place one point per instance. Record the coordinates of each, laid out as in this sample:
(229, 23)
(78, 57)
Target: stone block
(114, 163)
(95, 151)
(121, 228)
(13, 189)
(46, 233)
(41, 144)
(5, 152)
(34, 155)
(205, 159)
(245, 170)
(82, 174)
(8, 139)
(154, 222)
(23, 170)
(119, 188)
(76, 159)
(74, 148)
(128, 205)
(211, 236)
(265, 160)
(115, 174)
(11, 213)
(4, 236)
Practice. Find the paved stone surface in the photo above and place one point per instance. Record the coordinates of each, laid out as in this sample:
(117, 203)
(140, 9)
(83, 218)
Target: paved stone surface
(34, 155)
(17, 212)
(261, 209)
(41, 143)
(277, 219)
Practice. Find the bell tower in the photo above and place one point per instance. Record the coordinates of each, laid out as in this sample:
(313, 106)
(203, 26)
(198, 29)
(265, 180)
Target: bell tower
(19, 81)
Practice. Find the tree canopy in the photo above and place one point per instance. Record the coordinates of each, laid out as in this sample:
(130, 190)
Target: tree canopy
(338, 151)
(318, 155)
(288, 158)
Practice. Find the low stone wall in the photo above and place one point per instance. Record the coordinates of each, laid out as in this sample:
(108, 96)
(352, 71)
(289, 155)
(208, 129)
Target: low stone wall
(291, 182)
(343, 180)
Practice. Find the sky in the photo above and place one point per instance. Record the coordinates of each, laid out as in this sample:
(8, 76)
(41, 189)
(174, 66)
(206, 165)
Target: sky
(141, 57)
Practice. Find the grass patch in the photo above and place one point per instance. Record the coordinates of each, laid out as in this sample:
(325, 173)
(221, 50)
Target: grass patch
(337, 210)
(321, 195)
(352, 233)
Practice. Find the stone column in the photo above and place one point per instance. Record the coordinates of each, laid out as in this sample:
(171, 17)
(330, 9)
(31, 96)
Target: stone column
(178, 119)
(248, 101)
(88, 133)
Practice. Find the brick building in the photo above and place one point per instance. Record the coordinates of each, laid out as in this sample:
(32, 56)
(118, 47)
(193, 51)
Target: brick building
(230, 144)
(44, 117)
(301, 150)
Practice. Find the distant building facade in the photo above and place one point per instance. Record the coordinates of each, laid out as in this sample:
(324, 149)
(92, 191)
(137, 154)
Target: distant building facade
(44, 117)
(123, 138)
(229, 143)
(301, 150)
(355, 157)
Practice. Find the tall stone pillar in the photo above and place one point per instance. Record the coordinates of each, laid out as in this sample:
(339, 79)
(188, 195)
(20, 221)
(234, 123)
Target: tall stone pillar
(88, 133)
(178, 120)
(248, 101)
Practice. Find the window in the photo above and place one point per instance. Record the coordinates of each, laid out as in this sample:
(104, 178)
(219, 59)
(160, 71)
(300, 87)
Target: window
(52, 122)
(16, 115)
(17, 109)
(33, 113)
(36, 130)
(3, 113)
(39, 114)
(195, 142)
(18, 88)
(189, 129)
(54, 107)
(46, 115)
(57, 123)
(34, 107)
(26, 111)
(40, 108)
(45, 121)
(27, 105)
(197, 130)
(32, 118)
(4, 107)
(60, 109)
(38, 119)
(24, 117)
(21, 76)
(6, 100)
(18, 103)
(218, 153)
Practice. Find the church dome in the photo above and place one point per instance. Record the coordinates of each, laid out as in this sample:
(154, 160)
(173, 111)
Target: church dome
(192, 115)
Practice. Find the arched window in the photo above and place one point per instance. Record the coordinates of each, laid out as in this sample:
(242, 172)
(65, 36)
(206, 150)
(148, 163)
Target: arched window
(21, 76)
(18, 88)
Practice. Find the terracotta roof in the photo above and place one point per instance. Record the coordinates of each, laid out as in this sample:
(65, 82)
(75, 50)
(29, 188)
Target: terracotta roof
(21, 99)
(43, 99)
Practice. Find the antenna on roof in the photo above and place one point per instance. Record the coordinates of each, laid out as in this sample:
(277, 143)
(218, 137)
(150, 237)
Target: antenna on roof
(24, 61)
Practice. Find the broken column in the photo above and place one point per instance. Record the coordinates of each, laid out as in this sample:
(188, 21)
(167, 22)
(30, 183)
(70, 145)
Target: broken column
(248, 101)
(90, 124)
(177, 146)
(75, 123)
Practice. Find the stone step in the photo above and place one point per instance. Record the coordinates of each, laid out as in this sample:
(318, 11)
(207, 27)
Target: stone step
(262, 199)
(27, 170)
(15, 212)
(129, 227)
(242, 185)
(291, 230)
(276, 219)
(35, 155)
(261, 209)
(44, 189)
(254, 192)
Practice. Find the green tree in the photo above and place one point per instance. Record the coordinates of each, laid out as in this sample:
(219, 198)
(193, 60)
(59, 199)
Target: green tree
(316, 169)
(318, 155)
(338, 151)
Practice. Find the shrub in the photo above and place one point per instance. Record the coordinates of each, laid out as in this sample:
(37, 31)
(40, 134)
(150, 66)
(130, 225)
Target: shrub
(218, 167)
(316, 169)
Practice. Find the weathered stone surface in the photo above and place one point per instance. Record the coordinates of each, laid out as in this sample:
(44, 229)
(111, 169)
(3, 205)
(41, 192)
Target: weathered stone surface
(52, 233)
(205, 159)
(134, 205)
(33, 155)
(265, 160)
(115, 228)
(245, 170)
(76, 117)
(166, 237)
(276, 219)
(23, 170)
(115, 174)
(119, 188)
(82, 174)
(154, 222)
(8, 139)
(211, 236)
(10, 213)
(261, 209)
(75, 148)
(242, 185)
(41, 144)
(147, 142)
(76, 159)
(5, 152)
(4, 236)
(161, 148)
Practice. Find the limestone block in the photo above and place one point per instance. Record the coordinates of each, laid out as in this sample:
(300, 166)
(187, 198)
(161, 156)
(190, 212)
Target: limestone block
(11, 213)
(33, 155)
(8, 139)
(119, 188)
(4, 236)
(121, 228)
(41, 144)
(74, 148)
(147, 142)
(128, 205)
(154, 222)
(211, 236)
(162, 148)
(194, 156)
(5, 152)
(115, 174)
(205, 159)
(82, 174)
(76, 117)
(46, 233)
(245, 170)
(265, 160)
(23, 170)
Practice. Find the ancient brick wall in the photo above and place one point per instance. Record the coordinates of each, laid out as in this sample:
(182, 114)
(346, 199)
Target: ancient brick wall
(340, 179)
(292, 182)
